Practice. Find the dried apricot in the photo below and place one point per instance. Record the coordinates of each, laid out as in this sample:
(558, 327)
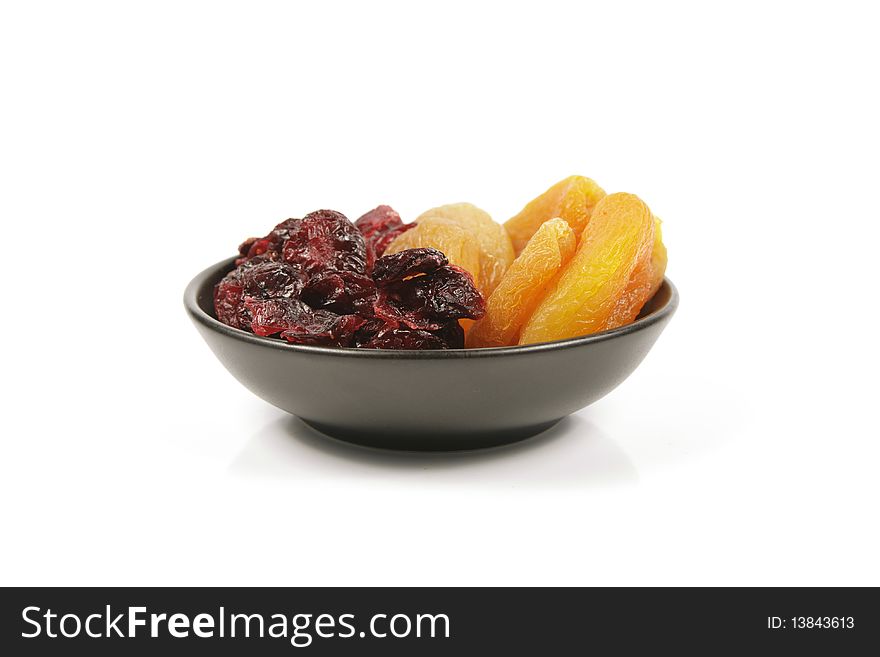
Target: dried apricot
(643, 284)
(617, 242)
(659, 258)
(445, 235)
(572, 199)
(524, 285)
(496, 249)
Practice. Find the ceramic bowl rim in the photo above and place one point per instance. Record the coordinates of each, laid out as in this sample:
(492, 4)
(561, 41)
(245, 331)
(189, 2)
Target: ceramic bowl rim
(191, 302)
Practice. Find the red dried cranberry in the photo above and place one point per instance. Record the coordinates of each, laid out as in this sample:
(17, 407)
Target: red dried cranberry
(228, 301)
(300, 324)
(326, 241)
(343, 292)
(401, 304)
(259, 278)
(244, 248)
(450, 293)
(405, 338)
(269, 279)
(405, 264)
(307, 282)
(451, 334)
(425, 302)
(368, 330)
(371, 336)
(269, 246)
(379, 227)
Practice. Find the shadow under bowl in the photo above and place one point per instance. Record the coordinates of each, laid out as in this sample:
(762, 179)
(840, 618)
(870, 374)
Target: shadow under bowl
(429, 400)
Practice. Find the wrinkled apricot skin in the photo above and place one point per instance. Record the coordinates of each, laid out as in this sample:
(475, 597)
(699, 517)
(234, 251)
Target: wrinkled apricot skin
(659, 259)
(643, 284)
(468, 236)
(572, 199)
(616, 245)
(496, 249)
(445, 235)
(524, 285)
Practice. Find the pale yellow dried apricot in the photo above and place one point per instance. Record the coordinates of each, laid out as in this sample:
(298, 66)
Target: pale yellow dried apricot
(617, 242)
(572, 199)
(457, 243)
(523, 286)
(496, 250)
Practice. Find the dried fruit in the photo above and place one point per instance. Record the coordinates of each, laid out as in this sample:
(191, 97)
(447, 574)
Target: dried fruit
(379, 227)
(496, 250)
(406, 338)
(524, 285)
(312, 281)
(617, 241)
(429, 300)
(342, 292)
(450, 293)
(445, 235)
(269, 246)
(643, 284)
(584, 265)
(228, 302)
(298, 323)
(659, 259)
(325, 240)
(406, 264)
(376, 335)
(258, 278)
(572, 199)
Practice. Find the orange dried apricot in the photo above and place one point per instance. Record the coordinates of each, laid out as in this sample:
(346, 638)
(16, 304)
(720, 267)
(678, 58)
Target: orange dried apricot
(523, 286)
(659, 258)
(572, 199)
(643, 284)
(617, 242)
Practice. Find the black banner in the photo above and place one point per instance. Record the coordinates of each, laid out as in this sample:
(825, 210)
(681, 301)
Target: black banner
(437, 621)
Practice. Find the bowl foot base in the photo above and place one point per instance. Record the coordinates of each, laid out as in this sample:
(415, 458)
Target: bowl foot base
(428, 442)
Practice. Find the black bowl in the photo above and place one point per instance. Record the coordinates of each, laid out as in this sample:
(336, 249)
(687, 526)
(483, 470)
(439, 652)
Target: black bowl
(429, 400)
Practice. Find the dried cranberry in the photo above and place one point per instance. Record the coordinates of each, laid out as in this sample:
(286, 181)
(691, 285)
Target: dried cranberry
(402, 304)
(379, 227)
(244, 248)
(425, 302)
(405, 338)
(452, 334)
(450, 293)
(269, 279)
(343, 292)
(228, 301)
(405, 264)
(368, 330)
(269, 246)
(374, 336)
(308, 282)
(326, 241)
(300, 324)
(259, 278)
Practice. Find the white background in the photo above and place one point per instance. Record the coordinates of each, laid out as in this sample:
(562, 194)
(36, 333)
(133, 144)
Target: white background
(140, 142)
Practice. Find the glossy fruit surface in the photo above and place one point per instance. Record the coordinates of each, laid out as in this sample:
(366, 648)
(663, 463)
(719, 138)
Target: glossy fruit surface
(587, 293)
(643, 284)
(379, 227)
(317, 281)
(524, 285)
(572, 199)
